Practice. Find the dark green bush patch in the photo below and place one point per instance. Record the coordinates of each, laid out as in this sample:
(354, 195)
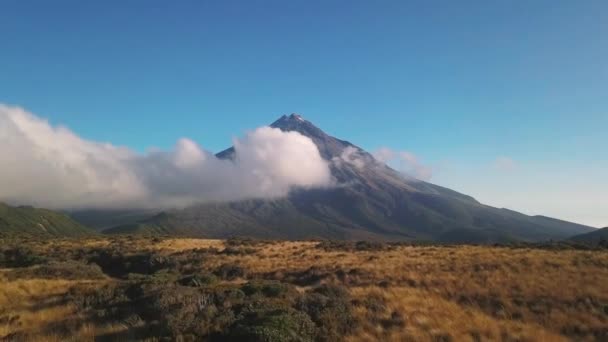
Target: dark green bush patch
(117, 264)
(230, 271)
(312, 276)
(190, 308)
(350, 246)
(270, 289)
(272, 326)
(198, 280)
(329, 308)
(19, 257)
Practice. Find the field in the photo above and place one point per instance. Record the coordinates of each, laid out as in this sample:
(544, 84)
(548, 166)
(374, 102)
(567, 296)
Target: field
(153, 289)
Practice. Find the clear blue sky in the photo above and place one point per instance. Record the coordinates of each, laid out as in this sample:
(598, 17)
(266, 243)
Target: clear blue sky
(458, 83)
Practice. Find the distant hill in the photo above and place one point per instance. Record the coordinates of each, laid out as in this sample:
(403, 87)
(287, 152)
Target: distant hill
(373, 201)
(593, 237)
(101, 219)
(38, 222)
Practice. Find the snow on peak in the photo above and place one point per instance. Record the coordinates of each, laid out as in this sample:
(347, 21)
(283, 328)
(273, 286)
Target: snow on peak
(297, 117)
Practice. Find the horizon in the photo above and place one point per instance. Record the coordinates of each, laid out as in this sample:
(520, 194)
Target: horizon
(513, 114)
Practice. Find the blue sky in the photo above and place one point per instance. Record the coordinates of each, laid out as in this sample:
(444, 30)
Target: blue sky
(505, 100)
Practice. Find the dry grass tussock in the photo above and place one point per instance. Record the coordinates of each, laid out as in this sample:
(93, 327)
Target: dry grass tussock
(391, 292)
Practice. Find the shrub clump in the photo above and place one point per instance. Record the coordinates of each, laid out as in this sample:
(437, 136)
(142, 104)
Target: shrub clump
(330, 309)
(19, 257)
(276, 325)
(270, 289)
(350, 246)
(231, 250)
(117, 264)
(190, 310)
(230, 271)
(198, 280)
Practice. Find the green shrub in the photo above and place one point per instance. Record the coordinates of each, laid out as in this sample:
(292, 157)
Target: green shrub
(118, 264)
(329, 308)
(230, 271)
(271, 289)
(20, 257)
(350, 246)
(198, 280)
(272, 326)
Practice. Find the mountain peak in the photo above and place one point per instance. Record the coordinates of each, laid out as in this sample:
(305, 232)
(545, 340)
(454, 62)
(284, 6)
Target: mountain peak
(329, 147)
(290, 121)
(296, 116)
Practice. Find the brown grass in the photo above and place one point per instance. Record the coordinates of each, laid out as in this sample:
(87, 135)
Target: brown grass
(460, 293)
(33, 305)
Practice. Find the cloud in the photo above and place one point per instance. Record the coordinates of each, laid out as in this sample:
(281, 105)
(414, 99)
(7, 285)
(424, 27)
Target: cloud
(405, 162)
(504, 164)
(351, 156)
(53, 167)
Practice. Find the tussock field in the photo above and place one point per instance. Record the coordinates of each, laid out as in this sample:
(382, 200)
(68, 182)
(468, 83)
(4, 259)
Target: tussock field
(155, 289)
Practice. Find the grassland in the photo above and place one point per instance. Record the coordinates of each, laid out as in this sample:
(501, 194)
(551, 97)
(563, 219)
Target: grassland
(127, 288)
(19, 221)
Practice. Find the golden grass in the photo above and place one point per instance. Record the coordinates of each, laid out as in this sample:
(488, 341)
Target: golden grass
(551, 291)
(429, 317)
(176, 245)
(459, 293)
(24, 301)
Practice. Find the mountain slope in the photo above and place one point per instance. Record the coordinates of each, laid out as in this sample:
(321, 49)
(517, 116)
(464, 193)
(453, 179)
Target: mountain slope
(593, 237)
(371, 201)
(101, 219)
(38, 222)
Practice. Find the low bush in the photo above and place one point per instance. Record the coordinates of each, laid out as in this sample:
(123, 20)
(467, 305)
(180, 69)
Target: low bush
(243, 241)
(20, 257)
(312, 276)
(350, 246)
(198, 280)
(271, 289)
(117, 264)
(329, 307)
(230, 271)
(279, 325)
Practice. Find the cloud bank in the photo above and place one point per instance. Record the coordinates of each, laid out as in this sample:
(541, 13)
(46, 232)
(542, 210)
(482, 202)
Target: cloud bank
(51, 166)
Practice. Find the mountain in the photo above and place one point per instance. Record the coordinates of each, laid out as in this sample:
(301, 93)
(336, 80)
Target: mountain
(593, 237)
(38, 222)
(372, 201)
(102, 219)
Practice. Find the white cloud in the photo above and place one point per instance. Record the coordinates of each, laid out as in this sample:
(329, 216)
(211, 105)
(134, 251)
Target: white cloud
(350, 156)
(405, 162)
(53, 167)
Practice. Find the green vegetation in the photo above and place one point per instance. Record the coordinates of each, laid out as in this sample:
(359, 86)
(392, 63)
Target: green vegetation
(38, 222)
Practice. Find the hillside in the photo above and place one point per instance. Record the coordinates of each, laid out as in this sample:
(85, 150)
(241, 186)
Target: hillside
(593, 237)
(370, 201)
(38, 222)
